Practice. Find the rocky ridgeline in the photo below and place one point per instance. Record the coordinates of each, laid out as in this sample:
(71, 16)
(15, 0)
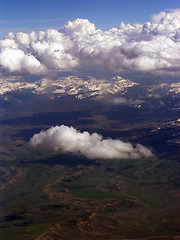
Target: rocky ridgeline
(80, 87)
(72, 85)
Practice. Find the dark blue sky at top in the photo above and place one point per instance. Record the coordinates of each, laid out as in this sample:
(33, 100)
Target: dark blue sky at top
(25, 16)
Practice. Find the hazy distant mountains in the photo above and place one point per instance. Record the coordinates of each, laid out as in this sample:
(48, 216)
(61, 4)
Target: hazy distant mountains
(80, 87)
(71, 85)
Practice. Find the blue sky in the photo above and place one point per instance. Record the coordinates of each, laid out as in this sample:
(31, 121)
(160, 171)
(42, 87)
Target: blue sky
(25, 16)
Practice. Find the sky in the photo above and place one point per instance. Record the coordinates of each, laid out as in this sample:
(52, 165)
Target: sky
(25, 16)
(51, 36)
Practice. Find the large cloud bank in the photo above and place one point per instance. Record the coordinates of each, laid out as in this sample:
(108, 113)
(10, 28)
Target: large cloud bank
(93, 146)
(153, 46)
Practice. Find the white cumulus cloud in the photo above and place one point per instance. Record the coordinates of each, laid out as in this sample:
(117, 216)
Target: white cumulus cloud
(151, 47)
(125, 101)
(93, 146)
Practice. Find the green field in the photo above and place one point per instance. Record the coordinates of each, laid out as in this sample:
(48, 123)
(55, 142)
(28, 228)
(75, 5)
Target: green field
(131, 198)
